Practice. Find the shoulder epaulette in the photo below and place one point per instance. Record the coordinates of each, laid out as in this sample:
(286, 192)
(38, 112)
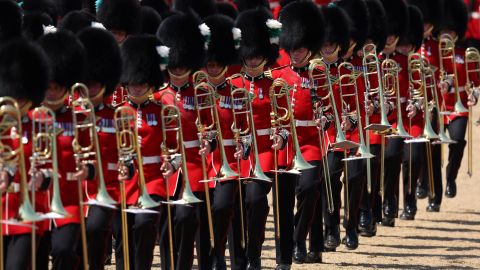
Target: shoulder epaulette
(278, 68)
(154, 100)
(268, 74)
(163, 87)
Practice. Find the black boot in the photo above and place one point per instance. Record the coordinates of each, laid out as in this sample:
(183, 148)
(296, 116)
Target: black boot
(367, 226)
(351, 239)
(314, 257)
(283, 266)
(451, 190)
(433, 207)
(299, 252)
(254, 264)
(332, 239)
(421, 192)
(219, 264)
(408, 213)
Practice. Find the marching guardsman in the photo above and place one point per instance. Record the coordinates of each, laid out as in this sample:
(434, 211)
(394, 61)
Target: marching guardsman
(397, 19)
(455, 18)
(21, 59)
(121, 18)
(68, 61)
(412, 115)
(221, 54)
(301, 38)
(258, 51)
(371, 205)
(104, 64)
(187, 41)
(354, 129)
(337, 44)
(141, 76)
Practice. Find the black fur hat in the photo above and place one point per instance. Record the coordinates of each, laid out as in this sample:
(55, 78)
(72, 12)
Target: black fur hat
(159, 5)
(337, 27)
(10, 20)
(104, 61)
(243, 5)
(357, 11)
(377, 30)
(431, 10)
(120, 15)
(66, 6)
(222, 46)
(76, 20)
(141, 61)
(203, 8)
(150, 20)
(47, 6)
(397, 17)
(302, 26)
(66, 57)
(227, 9)
(33, 23)
(24, 70)
(256, 36)
(455, 17)
(414, 34)
(181, 33)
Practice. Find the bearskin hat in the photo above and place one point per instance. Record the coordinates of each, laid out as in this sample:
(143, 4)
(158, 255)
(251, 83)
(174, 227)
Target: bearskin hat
(150, 20)
(159, 5)
(10, 20)
(181, 33)
(33, 23)
(66, 6)
(357, 11)
(227, 9)
(221, 47)
(47, 6)
(203, 8)
(243, 5)
(76, 20)
(455, 17)
(24, 70)
(377, 30)
(397, 17)
(414, 34)
(431, 10)
(66, 57)
(141, 61)
(104, 61)
(122, 15)
(337, 27)
(255, 35)
(302, 26)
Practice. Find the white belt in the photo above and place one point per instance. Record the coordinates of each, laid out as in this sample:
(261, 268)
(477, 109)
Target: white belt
(108, 130)
(70, 176)
(14, 188)
(151, 160)
(403, 99)
(305, 123)
(229, 142)
(263, 132)
(191, 144)
(112, 166)
(461, 89)
(476, 15)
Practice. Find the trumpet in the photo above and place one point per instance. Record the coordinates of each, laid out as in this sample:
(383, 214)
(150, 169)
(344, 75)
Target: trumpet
(318, 72)
(446, 48)
(472, 66)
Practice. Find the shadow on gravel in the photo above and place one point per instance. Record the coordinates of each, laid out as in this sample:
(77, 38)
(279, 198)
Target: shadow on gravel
(454, 221)
(442, 229)
(396, 266)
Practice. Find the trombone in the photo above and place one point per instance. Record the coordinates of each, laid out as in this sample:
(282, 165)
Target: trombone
(472, 66)
(10, 117)
(318, 72)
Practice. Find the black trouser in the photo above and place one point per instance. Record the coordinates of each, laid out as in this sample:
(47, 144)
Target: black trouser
(393, 164)
(417, 166)
(456, 129)
(64, 246)
(307, 192)
(99, 228)
(286, 205)
(43, 251)
(373, 201)
(17, 251)
(142, 234)
(224, 198)
(356, 171)
(237, 252)
(191, 225)
(336, 166)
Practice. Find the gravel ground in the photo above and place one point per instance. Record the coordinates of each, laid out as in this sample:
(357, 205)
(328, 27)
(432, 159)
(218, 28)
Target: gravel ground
(446, 240)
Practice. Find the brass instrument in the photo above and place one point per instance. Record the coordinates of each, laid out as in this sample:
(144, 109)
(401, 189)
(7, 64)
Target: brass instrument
(318, 73)
(171, 122)
(11, 130)
(446, 48)
(472, 66)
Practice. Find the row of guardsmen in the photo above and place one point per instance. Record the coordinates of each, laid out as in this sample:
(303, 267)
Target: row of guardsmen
(174, 129)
